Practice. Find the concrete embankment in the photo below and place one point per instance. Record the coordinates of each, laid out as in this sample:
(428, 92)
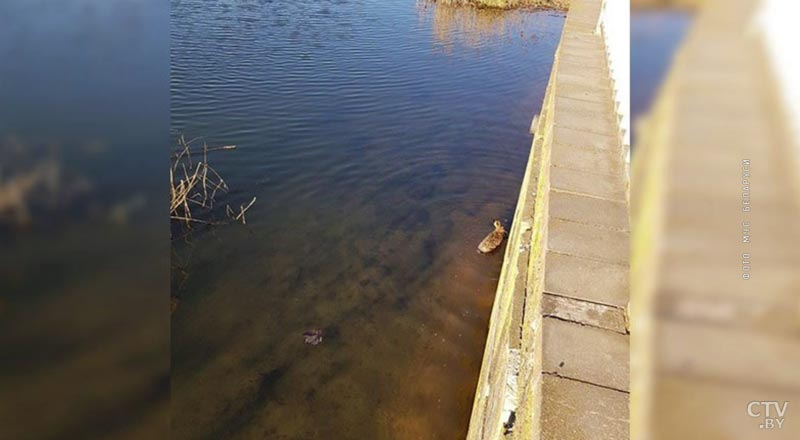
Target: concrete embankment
(555, 364)
(715, 329)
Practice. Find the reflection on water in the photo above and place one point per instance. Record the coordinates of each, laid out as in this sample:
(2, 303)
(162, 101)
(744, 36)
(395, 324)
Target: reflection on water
(475, 27)
(83, 267)
(379, 161)
(655, 35)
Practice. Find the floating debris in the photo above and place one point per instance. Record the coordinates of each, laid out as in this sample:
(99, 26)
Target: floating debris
(493, 240)
(313, 337)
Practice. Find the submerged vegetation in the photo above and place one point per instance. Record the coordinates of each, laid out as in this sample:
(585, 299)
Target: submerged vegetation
(509, 4)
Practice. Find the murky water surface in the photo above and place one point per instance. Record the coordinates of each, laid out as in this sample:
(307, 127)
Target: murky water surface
(380, 138)
(84, 253)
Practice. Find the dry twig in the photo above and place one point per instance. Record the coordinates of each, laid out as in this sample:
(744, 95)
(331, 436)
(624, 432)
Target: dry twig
(194, 187)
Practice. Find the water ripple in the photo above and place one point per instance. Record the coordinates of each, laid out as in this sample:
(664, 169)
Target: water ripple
(380, 138)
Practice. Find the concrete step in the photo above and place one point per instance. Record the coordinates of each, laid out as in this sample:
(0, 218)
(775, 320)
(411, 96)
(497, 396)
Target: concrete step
(577, 410)
(586, 279)
(588, 354)
(591, 160)
(603, 213)
(580, 181)
(588, 241)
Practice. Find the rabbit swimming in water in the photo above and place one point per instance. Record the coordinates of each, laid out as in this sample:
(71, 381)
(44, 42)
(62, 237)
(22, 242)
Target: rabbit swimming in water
(493, 240)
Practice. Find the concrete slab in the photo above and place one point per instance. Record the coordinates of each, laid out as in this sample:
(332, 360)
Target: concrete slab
(588, 116)
(768, 316)
(584, 312)
(727, 353)
(590, 280)
(588, 241)
(591, 160)
(587, 50)
(574, 410)
(571, 37)
(580, 181)
(569, 136)
(585, 54)
(601, 110)
(572, 44)
(565, 58)
(775, 282)
(589, 210)
(574, 87)
(585, 353)
(584, 24)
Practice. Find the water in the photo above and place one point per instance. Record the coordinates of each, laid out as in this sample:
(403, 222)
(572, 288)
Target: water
(655, 35)
(380, 138)
(83, 324)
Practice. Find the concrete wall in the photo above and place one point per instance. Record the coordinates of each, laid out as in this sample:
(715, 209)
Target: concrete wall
(555, 364)
(498, 385)
(710, 333)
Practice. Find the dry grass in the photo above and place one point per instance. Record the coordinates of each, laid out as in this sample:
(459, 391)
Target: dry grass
(195, 186)
(509, 4)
